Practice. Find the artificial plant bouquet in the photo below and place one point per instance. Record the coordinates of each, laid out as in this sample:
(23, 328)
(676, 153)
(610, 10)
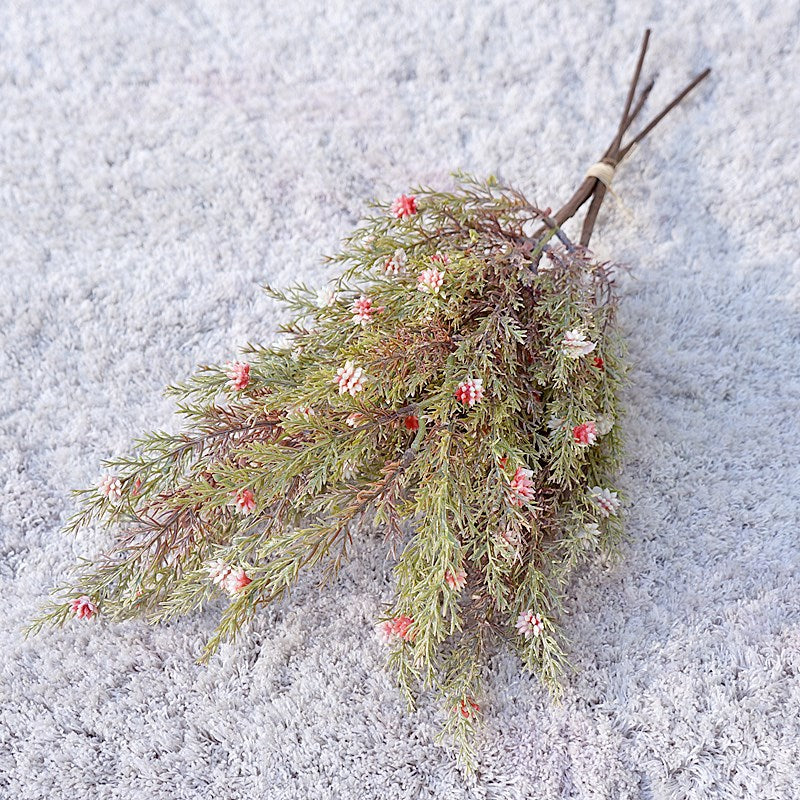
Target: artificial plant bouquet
(456, 386)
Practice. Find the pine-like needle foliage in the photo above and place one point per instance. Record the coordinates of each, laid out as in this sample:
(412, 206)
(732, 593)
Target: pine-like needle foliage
(456, 386)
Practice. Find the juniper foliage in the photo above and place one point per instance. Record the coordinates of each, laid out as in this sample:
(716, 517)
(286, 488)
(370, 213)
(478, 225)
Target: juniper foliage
(403, 449)
(455, 387)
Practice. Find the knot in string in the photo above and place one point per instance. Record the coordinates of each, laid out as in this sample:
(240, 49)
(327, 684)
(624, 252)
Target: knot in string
(603, 171)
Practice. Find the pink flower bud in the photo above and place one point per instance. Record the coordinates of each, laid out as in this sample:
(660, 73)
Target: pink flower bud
(236, 580)
(470, 391)
(398, 628)
(521, 488)
(350, 378)
(529, 624)
(467, 707)
(456, 580)
(585, 434)
(404, 206)
(83, 608)
(244, 501)
(238, 375)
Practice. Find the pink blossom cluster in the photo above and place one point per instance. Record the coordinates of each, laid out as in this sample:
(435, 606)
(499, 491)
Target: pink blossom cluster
(396, 629)
(238, 374)
(245, 501)
(606, 500)
(231, 579)
(350, 378)
(575, 344)
(110, 487)
(529, 624)
(521, 489)
(470, 391)
(467, 707)
(363, 310)
(585, 434)
(397, 263)
(430, 280)
(456, 580)
(404, 206)
(508, 538)
(83, 608)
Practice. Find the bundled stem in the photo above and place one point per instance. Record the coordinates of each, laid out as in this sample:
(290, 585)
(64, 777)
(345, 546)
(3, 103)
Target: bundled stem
(592, 187)
(456, 385)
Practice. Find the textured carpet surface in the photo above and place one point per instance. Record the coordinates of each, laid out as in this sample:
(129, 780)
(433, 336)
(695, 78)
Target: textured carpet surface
(160, 161)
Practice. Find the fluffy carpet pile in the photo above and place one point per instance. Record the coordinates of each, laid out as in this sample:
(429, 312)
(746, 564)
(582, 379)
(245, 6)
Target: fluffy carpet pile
(161, 160)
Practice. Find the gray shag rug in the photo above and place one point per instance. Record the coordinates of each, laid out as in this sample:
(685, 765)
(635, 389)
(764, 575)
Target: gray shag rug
(162, 160)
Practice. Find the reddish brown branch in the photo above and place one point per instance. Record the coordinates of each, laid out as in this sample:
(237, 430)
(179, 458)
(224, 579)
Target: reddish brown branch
(591, 187)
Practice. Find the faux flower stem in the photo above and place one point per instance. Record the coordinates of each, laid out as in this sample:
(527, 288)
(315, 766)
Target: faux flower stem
(593, 188)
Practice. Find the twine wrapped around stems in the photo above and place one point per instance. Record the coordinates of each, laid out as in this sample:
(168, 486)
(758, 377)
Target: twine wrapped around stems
(599, 176)
(603, 171)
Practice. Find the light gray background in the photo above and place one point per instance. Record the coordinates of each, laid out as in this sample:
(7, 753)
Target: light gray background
(159, 161)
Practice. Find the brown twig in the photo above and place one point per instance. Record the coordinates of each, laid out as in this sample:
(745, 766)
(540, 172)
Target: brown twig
(591, 187)
(672, 104)
(624, 122)
(612, 155)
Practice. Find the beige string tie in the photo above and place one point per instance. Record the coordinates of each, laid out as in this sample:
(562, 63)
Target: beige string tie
(605, 174)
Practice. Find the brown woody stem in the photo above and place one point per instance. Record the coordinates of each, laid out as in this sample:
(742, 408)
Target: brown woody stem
(595, 189)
